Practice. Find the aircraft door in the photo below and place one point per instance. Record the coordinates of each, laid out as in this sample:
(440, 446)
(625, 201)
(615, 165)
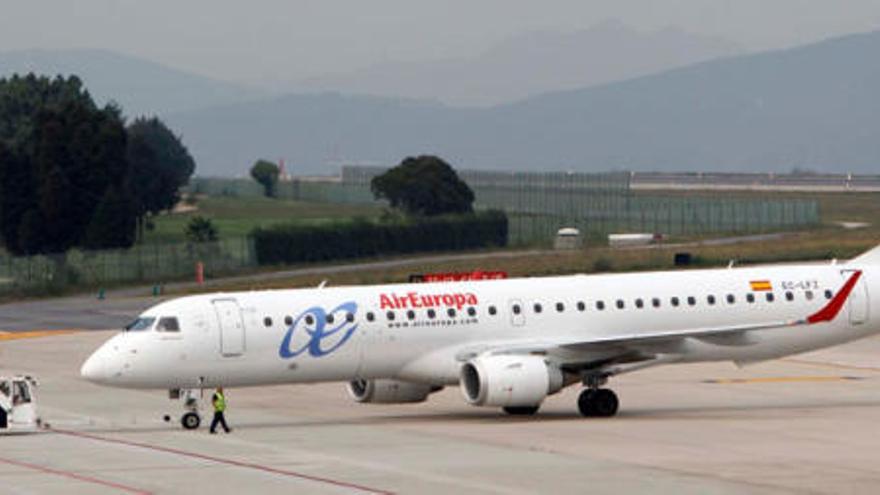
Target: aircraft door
(231, 325)
(858, 299)
(517, 312)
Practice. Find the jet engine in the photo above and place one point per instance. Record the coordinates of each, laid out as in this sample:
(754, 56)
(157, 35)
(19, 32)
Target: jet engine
(383, 391)
(509, 380)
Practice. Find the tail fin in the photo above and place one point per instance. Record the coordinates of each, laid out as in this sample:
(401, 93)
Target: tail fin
(871, 257)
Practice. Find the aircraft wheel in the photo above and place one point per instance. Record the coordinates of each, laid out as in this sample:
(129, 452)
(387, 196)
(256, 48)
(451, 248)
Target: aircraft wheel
(601, 403)
(585, 403)
(521, 410)
(190, 421)
(605, 403)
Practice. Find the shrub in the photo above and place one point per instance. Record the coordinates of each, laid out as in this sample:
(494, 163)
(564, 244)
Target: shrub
(360, 238)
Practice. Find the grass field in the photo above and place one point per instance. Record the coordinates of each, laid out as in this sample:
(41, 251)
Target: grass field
(236, 217)
(826, 242)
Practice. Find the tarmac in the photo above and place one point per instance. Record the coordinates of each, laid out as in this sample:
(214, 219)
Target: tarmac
(805, 424)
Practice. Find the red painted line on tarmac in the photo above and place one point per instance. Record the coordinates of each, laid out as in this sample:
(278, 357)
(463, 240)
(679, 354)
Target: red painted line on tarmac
(79, 477)
(230, 462)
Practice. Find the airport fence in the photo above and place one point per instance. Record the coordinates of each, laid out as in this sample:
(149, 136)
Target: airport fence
(146, 263)
(538, 204)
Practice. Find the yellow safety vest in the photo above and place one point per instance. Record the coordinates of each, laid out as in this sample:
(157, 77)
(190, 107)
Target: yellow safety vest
(219, 402)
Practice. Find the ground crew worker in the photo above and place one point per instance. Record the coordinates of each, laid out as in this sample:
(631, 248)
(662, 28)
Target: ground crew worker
(218, 400)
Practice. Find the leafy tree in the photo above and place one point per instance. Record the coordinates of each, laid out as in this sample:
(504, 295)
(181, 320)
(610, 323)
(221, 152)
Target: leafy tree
(61, 158)
(266, 173)
(201, 229)
(113, 223)
(160, 166)
(424, 185)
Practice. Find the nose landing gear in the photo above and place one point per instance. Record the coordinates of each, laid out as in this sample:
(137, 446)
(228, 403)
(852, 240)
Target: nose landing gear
(191, 419)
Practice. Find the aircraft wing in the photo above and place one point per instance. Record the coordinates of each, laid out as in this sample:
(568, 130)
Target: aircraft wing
(643, 346)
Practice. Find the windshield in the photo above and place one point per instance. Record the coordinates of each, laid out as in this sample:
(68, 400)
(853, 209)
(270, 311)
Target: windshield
(168, 324)
(142, 323)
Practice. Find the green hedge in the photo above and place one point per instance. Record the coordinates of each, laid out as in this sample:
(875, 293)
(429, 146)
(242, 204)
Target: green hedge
(361, 238)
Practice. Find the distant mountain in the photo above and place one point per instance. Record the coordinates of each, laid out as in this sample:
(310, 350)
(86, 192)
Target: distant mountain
(140, 86)
(533, 63)
(814, 107)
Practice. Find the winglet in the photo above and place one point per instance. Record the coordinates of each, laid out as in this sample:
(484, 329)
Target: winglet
(829, 312)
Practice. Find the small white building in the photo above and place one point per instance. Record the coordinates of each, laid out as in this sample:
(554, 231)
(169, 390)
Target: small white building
(568, 238)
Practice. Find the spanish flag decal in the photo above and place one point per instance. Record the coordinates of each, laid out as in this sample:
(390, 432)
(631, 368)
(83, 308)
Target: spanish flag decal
(761, 285)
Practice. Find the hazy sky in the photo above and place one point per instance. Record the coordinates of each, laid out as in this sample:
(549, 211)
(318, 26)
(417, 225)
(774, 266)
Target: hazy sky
(270, 42)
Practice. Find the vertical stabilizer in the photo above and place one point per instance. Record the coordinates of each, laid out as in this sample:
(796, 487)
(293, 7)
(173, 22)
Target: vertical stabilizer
(871, 257)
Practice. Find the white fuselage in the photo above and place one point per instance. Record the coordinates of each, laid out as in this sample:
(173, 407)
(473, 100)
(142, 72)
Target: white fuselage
(345, 333)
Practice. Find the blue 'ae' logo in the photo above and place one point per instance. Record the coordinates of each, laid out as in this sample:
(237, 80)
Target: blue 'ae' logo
(318, 330)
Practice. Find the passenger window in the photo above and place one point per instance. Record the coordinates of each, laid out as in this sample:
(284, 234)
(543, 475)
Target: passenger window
(370, 316)
(288, 320)
(309, 319)
(640, 304)
(731, 299)
(170, 325)
(451, 312)
(411, 315)
(655, 302)
(828, 294)
(516, 309)
(691, 300)
(809, 295)
(674, 301)
(620, 304)
(581, 306)
(789, 296)
(770, 297)
(390, 315)
(266, 321)
(537, 308)
(349, 317)
(710, 299)
(600, 305)
(750, 298)
(492, 310)
(432, 314)
(329, 318)
(472, 312)
(560, 307)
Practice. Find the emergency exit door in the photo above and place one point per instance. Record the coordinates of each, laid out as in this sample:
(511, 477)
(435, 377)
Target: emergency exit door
(231, 324)
(858, 299)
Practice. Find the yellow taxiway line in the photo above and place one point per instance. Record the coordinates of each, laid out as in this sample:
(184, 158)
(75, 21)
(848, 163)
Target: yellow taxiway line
(784, 379)
(32, 334)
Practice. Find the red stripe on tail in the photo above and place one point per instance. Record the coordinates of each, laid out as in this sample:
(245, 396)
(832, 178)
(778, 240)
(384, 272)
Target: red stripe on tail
(829, 312)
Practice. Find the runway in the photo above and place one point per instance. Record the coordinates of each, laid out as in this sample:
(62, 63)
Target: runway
(803, 424)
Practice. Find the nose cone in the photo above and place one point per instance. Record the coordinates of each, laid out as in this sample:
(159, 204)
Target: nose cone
(95, 368)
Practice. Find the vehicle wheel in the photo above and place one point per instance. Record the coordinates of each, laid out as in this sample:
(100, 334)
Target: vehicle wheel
(585, 403)
(521, 410)
(190, 421)
(605, 403)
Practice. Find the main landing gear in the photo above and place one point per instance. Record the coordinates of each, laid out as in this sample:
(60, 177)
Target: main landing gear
(596, 402)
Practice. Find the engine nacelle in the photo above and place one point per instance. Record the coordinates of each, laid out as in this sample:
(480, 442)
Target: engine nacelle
(509, 380)
(384, 391)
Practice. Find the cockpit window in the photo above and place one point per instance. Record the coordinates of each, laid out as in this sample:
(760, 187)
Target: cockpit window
(168, 324)
(142, 323)
(20, 393)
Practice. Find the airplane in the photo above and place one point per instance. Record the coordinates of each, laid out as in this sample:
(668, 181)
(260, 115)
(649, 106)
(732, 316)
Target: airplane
(507, 343)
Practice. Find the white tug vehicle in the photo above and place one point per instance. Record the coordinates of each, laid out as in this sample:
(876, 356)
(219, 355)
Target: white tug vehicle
(18, 409)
